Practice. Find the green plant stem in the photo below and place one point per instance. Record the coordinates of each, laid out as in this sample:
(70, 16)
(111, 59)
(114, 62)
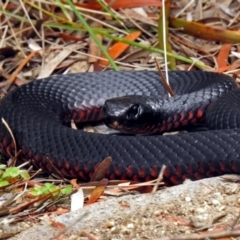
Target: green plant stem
(92, 34)
(156, 50)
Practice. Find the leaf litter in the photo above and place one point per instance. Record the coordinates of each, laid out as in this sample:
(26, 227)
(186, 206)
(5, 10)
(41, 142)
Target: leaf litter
(42, 38)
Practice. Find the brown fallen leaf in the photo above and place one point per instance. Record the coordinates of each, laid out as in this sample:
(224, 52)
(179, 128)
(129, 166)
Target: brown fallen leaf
(101, 170)
(117, 4)
(118, 48)
(48, 69)
(75, 184)
(222, 58)
(19, 68)
(93, 50)
(18, 81)
(98, 191)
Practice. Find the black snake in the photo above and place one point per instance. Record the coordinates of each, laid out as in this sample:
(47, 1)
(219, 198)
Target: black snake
(38, 114)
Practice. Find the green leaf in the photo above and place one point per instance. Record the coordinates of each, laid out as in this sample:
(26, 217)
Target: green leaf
(3, 183)
(39, 191)
(24, 174)
(50, 187)
(44, 190)
(36, 191)
(67, 190)
(11, 172)
(5, 175)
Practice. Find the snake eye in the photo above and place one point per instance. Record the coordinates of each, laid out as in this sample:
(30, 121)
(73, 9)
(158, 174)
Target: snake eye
(133, 112)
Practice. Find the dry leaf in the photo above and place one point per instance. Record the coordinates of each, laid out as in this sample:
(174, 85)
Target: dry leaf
(98, 191)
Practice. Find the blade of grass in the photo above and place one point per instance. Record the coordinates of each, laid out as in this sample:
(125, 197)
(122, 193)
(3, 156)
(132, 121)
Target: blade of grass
(84, 25)
(204, 31)
(92, 34)
(198, 64)
(69, 26)
(64, 10)
(163, 34)
(13, 15)
(75, 28)
(108, 10)
(104, 32)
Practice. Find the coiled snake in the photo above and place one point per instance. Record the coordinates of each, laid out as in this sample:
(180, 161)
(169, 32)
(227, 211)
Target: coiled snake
(38, 114)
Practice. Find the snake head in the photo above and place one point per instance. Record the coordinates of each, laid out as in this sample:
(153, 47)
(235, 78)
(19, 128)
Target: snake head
(132, 114)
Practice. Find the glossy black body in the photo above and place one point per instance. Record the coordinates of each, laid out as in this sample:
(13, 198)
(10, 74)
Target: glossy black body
(37, 114)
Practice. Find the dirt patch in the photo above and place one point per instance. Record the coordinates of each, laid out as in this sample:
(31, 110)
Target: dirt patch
(210, 205)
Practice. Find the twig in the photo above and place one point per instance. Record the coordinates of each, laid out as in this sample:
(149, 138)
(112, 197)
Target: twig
(12, 136)
(56, 171)
(24, 164)
(13, 162)
(164, 81)
(19, 68)
(36, 173)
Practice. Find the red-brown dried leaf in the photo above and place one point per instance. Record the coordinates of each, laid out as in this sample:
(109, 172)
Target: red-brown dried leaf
(101, 170)
(117, 4)
(222, 58)
(118, 48)
(98, 191)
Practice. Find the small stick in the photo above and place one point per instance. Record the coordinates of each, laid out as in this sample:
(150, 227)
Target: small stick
(12, 136)
(164, 81)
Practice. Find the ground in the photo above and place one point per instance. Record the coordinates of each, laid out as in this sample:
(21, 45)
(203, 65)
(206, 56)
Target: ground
(209, 206)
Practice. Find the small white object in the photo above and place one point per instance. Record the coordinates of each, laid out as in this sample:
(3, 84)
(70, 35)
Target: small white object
(188, 199)
(236, 54)
(130, 226)
(77, 200)
(32, 44)
(141, 11)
